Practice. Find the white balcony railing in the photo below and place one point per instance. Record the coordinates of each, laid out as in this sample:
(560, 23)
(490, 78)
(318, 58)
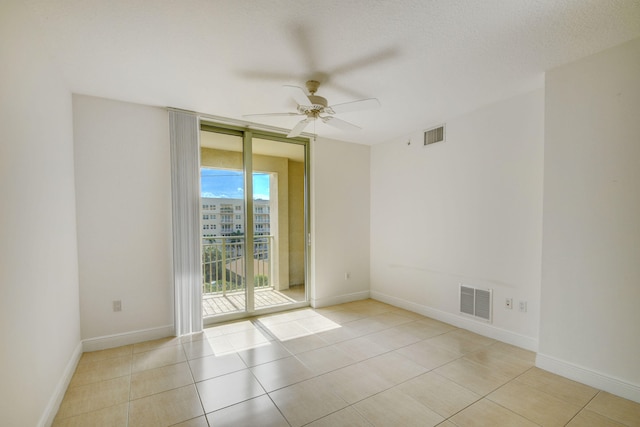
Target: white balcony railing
(223, 263)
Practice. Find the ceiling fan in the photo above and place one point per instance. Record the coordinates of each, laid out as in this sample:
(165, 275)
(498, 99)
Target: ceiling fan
(316, 107)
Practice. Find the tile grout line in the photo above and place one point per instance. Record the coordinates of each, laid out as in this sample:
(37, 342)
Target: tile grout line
(313, 377)
(194, 384)
(587, 404)
(276, 406)
(560, 398)
(265, 330)
(486, 397)
(433, 370)
(541, 391)
(356, 362)
(130, 381)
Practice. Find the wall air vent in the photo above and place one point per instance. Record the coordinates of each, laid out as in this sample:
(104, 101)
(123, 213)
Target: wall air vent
(434, 135)
(476, 302)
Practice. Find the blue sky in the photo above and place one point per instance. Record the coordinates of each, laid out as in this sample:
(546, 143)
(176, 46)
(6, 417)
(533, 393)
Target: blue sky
(230, 184)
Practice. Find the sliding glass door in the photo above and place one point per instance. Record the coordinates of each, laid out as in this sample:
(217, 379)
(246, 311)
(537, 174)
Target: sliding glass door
(253, 222)
(222, 224)
(279, 222)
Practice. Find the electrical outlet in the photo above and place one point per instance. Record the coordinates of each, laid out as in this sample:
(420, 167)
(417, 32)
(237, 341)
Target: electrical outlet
(117, 305)
(508, 303)
(523, 306)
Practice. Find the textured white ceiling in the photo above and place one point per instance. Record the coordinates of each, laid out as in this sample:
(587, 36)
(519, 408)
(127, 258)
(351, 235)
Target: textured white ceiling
(426, 61)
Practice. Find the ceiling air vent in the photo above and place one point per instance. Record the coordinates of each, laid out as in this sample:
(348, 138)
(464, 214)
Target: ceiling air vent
(434, 135)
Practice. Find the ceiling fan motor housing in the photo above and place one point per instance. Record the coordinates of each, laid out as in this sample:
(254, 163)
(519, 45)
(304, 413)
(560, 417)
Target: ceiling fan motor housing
(318, 101)
(318, 105)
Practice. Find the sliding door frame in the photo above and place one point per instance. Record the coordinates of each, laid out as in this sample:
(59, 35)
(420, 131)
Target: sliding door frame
(247, 153)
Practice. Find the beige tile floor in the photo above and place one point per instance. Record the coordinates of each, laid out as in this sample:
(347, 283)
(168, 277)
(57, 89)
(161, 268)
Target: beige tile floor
(358, 364)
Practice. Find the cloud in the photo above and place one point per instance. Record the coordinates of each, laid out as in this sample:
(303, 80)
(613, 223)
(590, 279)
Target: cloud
(260, 196)
(209, 195)
(240, 190)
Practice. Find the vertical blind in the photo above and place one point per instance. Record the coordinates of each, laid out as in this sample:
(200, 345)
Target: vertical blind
(185, 196)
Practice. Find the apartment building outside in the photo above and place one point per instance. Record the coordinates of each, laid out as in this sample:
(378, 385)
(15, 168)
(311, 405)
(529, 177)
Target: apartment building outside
(222, 217)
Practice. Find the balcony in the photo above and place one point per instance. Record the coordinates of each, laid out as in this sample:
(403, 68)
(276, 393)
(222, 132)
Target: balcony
(233, 302)
(223, 273)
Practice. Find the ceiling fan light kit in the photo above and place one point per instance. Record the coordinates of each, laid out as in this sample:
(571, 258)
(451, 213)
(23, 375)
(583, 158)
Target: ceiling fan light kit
(317, 107)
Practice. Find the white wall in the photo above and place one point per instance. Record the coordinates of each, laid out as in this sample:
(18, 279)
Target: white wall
(591, 259)
(39, 319)
(123, 187)
(468, 210)
(339, 221)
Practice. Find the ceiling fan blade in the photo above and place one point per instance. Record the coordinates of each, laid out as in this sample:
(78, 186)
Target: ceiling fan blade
(297, 130)
(304, 41)
(298, 94)
(340, 124)
(272, 114)
(366, 61)
(362, 104)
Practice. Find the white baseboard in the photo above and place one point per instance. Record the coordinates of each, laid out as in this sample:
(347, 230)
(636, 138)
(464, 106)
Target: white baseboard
(481, 328)
(340, 299)
(133, 337)
(53, 405)
(589, 377)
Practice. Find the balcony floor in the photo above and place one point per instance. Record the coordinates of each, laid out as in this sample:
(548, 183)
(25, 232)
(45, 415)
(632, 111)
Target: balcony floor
(233, 302)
